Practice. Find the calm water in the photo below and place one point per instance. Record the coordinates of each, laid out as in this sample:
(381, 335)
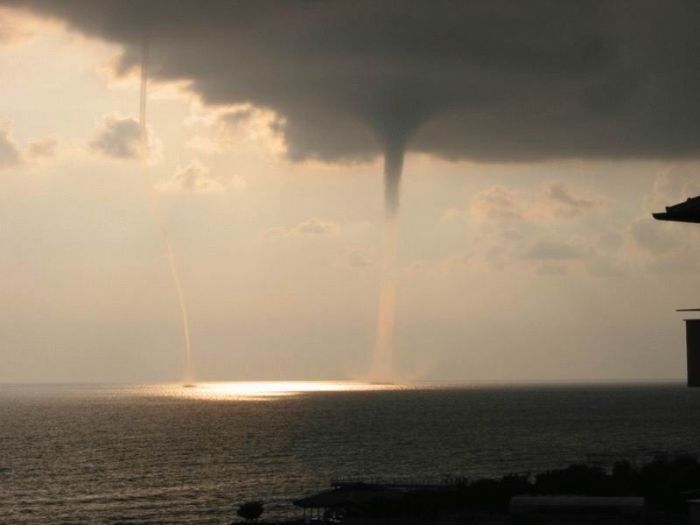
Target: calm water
(91, 454)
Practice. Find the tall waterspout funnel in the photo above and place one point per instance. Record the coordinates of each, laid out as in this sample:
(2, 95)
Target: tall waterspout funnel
(188, 372)
(393, 167)
(382, 362)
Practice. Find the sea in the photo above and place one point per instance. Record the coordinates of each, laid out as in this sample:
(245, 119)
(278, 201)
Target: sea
(111, 454)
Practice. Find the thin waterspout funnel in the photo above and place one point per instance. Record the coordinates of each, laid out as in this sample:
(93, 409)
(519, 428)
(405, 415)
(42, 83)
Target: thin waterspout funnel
(188, 372)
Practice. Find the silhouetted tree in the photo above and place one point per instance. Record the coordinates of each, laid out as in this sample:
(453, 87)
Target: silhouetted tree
(624, 480)
(250, 510)
(664, 481)
(574, 479)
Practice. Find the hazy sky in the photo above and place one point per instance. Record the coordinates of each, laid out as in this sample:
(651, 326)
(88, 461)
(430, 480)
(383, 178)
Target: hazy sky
(527, 248)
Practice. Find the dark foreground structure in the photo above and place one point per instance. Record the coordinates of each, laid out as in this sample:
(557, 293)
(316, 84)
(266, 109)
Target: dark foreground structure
(659, 492)
(528, 510)
(688, 211)
(692, 339)
(381, 504)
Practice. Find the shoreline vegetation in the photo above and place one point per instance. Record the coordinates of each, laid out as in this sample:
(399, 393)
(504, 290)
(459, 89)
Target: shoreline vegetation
(664, 484)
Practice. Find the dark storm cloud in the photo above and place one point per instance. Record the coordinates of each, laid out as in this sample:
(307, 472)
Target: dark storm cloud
(491, 80)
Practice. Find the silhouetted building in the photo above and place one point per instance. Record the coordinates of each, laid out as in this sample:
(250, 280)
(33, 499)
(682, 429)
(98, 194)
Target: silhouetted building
(692, 337)
(688, 211)
(391, 504)
(359, 503)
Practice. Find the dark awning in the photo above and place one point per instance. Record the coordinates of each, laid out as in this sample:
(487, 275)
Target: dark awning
(688, 211)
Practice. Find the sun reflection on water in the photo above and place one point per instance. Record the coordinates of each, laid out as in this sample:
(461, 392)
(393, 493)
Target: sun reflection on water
(265, 390)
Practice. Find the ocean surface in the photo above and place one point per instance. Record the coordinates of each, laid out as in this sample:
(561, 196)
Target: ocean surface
(168, 454)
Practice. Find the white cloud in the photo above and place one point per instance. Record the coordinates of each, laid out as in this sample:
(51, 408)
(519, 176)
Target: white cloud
(654, 237)
(15, 27)
(356, 259)
(218, 128)
(195, 177)
(497, 202)
(561, 200)
(527, 231)
(198, 178)
(118, 138)
(204, 145)
(14, 156)
(256, 125)
(316, 226)
(555, 200)
(10, 155)
(313, 227)
(42, 148)
(666, 247)
(674, 184)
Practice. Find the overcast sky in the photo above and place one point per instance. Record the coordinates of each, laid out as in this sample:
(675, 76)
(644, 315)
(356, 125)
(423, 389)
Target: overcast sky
(537, 144)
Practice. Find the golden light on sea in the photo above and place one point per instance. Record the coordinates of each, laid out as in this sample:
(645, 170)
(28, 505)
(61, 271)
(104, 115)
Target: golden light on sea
(262, 390)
